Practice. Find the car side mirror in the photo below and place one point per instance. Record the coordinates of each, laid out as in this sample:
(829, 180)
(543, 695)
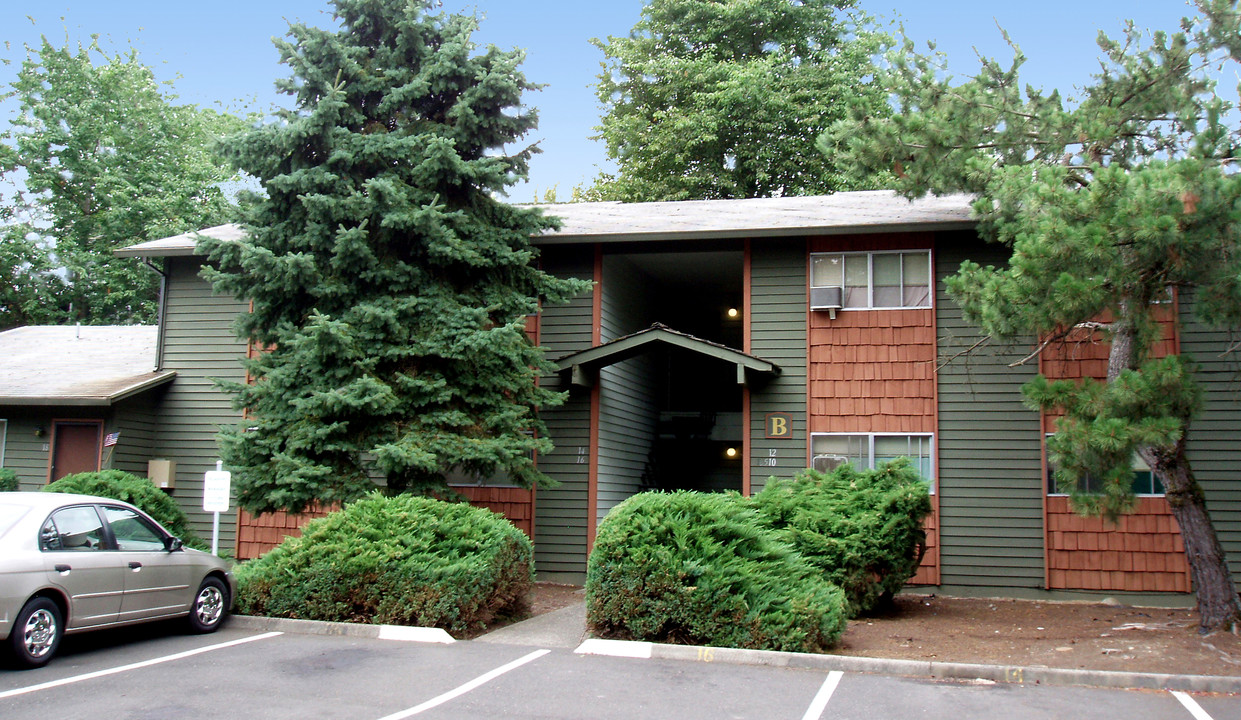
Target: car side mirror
(172, 544)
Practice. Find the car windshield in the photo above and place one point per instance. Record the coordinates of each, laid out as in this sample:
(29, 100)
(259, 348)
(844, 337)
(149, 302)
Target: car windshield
(9, 515)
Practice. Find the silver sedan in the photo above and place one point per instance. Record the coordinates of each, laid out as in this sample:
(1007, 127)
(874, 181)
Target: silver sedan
(72, 563)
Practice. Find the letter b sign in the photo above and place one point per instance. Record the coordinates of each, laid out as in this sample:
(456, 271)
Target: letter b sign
(779, 426)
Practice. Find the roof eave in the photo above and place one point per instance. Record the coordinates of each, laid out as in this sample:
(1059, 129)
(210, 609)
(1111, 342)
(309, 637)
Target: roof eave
(556, 238)
(90, 400)
(138, 251)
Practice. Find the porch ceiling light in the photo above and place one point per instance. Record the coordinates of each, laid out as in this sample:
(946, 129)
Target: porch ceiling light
(733, 313)
(731, 453)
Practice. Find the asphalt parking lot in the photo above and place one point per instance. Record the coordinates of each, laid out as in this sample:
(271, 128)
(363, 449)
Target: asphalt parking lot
(158, 672)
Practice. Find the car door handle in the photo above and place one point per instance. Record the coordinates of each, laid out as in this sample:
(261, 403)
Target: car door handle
(135, 566)
(62, 568)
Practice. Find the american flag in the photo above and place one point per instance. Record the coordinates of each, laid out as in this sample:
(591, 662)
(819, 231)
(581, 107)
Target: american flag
(111, 439)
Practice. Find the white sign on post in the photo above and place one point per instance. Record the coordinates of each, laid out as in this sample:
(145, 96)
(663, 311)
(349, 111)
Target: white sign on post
(217, 486)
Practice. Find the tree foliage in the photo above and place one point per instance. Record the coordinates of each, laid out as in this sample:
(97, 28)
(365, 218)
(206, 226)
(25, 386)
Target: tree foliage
(389, 286)
(99, 156)
(1106, 202)
(724, 99)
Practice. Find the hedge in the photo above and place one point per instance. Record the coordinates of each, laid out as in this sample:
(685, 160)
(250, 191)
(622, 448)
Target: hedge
(696, 568)
(863, 529)
(402, 560)
(8, 480)
(137, 491)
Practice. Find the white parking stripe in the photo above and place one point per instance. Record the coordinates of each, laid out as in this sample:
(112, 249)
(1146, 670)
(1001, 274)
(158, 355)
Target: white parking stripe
(463, 689)
(819, 704)
(132, 666)
(1191, 705)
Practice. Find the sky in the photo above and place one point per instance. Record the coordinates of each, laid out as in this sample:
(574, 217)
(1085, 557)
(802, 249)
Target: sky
(220, 54)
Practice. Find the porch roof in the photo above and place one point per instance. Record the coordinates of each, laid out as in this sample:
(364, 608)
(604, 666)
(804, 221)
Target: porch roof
(78, 366)
(584, 366)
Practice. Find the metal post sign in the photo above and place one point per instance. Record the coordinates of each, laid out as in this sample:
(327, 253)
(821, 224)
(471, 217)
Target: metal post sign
(217, 486)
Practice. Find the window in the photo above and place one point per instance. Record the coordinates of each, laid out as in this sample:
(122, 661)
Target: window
(875, 280)
(132, 532)
(73, 528)
(869, 450)
(1144, 481)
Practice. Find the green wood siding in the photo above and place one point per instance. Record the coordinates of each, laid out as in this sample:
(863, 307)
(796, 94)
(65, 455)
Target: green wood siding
(137, 420)
(25, 453)
(1213, 447)
(990, 473)
(778, 306)
(627, 412)
(561, 512)
(200, 345)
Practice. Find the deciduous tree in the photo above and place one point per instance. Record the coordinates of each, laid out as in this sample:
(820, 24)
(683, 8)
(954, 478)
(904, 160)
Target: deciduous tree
(1106, 202)
(724, 99)
(98, 156)
(390, 285)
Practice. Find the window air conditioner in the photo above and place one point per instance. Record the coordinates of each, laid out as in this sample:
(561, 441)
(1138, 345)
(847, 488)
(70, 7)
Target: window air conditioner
(828, 463)
(826, 298)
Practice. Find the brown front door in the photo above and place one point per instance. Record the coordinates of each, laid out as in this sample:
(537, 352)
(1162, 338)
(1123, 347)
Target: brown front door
(75, 447)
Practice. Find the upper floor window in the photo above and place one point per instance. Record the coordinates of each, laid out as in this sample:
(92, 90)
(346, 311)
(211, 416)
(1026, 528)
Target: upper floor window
(877, 279)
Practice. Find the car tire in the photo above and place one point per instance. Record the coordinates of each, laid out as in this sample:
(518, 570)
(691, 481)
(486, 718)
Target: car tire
(36, 633)
(209, 606)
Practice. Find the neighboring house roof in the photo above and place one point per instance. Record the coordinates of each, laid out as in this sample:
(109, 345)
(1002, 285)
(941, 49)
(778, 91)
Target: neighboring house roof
(839, 214)
(88, 365)
(582, 366)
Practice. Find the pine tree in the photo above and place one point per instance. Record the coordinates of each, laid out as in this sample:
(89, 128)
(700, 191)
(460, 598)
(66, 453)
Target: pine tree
(724, 99)
(389, 287)
(1106, 204)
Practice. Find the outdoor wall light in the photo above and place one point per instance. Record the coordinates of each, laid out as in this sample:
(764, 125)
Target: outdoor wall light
(40, 431)
(733, 313)
(731, 453)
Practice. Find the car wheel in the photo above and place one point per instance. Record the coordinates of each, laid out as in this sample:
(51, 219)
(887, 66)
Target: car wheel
(210, 606)
(36, 633)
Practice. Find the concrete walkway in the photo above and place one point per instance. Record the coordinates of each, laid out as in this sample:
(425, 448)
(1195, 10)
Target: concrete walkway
(563, 628)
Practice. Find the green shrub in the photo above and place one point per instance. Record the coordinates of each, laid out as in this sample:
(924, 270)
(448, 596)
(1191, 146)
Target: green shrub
(401, 560)
(137, 491)
(8, 480)
(697, 568)
(862, 529)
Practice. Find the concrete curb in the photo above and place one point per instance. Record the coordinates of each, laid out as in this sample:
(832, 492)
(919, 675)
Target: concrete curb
(320, 627)
(804, 661)
(915, 668)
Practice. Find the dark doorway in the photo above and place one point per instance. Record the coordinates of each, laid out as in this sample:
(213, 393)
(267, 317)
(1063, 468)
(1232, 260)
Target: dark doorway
(670, 418)
(75, 447)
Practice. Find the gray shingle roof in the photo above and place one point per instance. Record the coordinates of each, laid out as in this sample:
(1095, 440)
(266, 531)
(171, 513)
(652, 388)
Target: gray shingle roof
(842, 213)
(90, 365)
(839, 214)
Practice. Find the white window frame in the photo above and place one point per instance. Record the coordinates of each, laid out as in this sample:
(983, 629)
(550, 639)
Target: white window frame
(870, 449)
(870, 277)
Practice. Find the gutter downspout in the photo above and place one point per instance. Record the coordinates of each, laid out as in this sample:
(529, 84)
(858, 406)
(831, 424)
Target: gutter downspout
(162, 308)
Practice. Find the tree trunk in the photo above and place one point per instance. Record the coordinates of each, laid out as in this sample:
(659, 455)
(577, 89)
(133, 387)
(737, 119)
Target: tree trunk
(1219, 607)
